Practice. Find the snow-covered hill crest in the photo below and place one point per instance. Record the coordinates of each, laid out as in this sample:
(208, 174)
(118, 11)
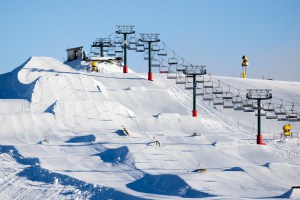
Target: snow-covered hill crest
(67, 133)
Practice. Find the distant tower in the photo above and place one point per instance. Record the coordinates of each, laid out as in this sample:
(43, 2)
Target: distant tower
(245, 63)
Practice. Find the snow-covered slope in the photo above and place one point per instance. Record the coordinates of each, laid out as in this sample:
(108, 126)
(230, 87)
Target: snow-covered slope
(83, 114)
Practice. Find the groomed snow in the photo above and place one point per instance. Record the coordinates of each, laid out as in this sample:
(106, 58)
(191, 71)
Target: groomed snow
(83, 114)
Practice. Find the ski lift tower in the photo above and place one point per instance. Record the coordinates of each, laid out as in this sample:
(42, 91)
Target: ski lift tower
(125, 30)
(100, 43)
(149, 38)
(259, 94)
(193, 71)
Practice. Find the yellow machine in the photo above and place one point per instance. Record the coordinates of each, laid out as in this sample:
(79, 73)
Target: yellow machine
(94, 67)
(243, 74)
(287, 130)
(245, 63)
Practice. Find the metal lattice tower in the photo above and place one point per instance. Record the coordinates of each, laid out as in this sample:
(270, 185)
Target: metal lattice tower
(193, 71)
(149, 38)
(259, 94)
(125, 30)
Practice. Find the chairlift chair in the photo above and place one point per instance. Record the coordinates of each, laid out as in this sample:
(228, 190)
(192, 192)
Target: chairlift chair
(189, 79)
(271, 115)
(217, 89)
(292, 114)
(146, 55)
(173, 60)
(237, 99)
(207, 96)
(140, 48)
(180, 78)
(132, 47)
(248, 109)
(111, 51)
(200, 79)
(180, 68)
(199, 91)
(208, 84)
(280, 110)
(105, 49)
(171, 74)
(155, 63)
(162, 51)
(133, 40)
(155, 47)
(247, 103)
(218, 100)
(118, 40)
(262, 113)
(238, 106)
(227, 103)
(118, 49)
(268, 106)
(106, 42)
(163, 69)
(227, 94)
(189, 85)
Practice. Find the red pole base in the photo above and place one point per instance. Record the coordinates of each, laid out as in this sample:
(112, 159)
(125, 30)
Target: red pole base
(150, 76)
(125, 69)
(195, 113)
(259, 140)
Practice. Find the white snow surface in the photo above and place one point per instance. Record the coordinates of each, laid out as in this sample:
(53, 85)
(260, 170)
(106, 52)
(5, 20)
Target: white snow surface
(82, 115)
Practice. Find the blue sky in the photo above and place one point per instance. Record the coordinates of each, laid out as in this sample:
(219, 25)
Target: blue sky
(215, 33)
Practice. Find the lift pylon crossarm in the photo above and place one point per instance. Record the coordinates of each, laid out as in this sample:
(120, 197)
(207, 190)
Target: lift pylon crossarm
(149, 37)
(194, 70)
(261, 94)
(125, 29)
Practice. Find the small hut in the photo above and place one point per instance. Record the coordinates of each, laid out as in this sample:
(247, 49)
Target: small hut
(74, 53)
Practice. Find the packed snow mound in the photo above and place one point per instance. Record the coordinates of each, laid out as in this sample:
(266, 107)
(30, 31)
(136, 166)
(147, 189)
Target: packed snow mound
(166, 184)
(19, 83)
(36, 67)
(116, 156)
